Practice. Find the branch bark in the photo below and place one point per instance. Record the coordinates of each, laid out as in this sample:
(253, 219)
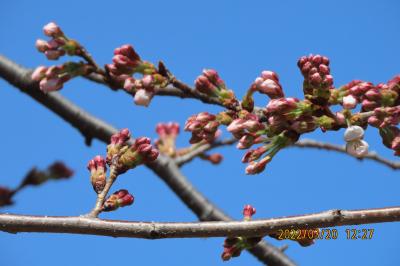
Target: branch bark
(92, 127)
(308, 143)
(152, 230)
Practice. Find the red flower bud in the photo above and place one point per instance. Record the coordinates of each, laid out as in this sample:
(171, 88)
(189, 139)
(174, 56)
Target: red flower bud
(97, 167)
(120, 198)
(248, 212)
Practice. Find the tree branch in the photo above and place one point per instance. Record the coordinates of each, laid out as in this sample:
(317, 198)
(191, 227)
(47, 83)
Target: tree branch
(308, 143)
(152, 230)
(183, 159)
(92, 127)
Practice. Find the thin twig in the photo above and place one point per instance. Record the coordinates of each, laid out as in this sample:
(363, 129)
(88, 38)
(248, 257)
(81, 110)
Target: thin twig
(183, 159)
(92, 127)
(98, 208)
(152, 230)
(308, 143)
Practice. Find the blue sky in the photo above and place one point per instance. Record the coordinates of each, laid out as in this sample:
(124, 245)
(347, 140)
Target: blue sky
(239, 39)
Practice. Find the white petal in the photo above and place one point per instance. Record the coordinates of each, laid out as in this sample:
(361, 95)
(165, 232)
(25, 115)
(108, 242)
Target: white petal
(358, 148)
(353, 133)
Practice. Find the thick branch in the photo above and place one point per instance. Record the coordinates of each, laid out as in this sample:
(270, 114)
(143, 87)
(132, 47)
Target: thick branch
(308, 143)
(92, 127)
(152, 230)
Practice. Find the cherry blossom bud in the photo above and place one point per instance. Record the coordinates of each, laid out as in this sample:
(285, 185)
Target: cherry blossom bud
(268, 84)
(130, 84)
(340, 118)
(248, 212)
(368, 105)
(231, 248)
(255, 154)
(214, 158)
(53, 54)
(267, 74)
(203, 127)
(316, 78)
(257, 167)
(120, 198)
(357, 148)
(41, 45)
(39, 73)
(52, 30)
(140, 152)
(97, 168)
(353, 133)
(58, 170)
(281, 105)
(147, 81)
(48, 85)
(143, 97)
(6, 196)
(349, 102)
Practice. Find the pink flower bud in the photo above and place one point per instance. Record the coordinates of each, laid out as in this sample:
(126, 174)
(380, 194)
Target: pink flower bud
(39, 73)
(143, 97)
(120, 198)
(316, 78)
(257, 167)
(52, 30)
(129, 84)
(349, 102)
(248, 212)
(41, 45)
(323, 69)
(53, 54)
(97, 167)
(48, 85)
(266, 74)
(128, 51)
(147, 81)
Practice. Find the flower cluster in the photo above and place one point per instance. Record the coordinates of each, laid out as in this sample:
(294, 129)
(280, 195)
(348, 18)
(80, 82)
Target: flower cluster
(53, 78)
(58, 45)
(355, 145)
(123, 156)
(317, 78)
(212, 85)
(167, 133)
(248, 129)
(267, 83)
(120, 198)
(233, 246)
(98, 168)
(203, 126)
(55, 171)
(127, 62)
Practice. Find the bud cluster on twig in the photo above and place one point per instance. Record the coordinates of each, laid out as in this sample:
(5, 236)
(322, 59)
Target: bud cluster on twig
(233, 246)
(56, 171)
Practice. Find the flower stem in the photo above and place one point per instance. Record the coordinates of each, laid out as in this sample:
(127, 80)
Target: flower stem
(102, 195)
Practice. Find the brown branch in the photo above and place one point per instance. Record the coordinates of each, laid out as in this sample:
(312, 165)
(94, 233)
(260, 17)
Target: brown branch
(183, 159)
(92, 127)
(152, 230)
(308, 143)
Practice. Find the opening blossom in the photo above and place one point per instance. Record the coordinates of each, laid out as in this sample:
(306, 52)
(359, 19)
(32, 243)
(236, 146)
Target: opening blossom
(355, 145)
